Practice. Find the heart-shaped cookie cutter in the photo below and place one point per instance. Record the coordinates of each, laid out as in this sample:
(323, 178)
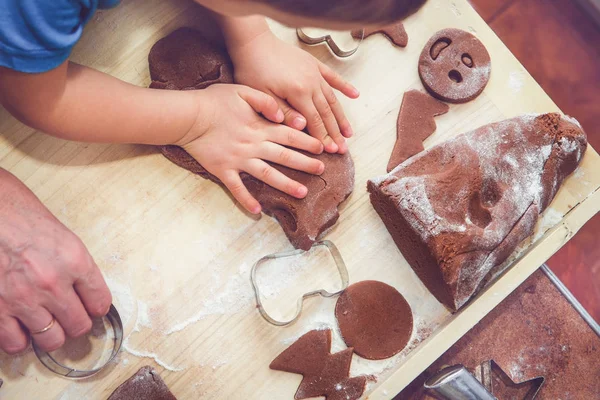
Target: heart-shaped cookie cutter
(339, 262)
(310, 40)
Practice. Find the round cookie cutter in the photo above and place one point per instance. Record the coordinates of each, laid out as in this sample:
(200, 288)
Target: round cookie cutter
(310, 40)
(339, 262)
(53, 365)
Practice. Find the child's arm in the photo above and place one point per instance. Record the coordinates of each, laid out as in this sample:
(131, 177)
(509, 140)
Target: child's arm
(218, 126)
(302, 86)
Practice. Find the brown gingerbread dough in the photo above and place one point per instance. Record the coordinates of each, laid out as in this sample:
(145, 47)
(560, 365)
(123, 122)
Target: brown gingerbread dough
(145, 384)
(185, 60)
(374, 319)
(415, 124)
(324, 374)
(394, 32)
(454, 66)
(458, 210)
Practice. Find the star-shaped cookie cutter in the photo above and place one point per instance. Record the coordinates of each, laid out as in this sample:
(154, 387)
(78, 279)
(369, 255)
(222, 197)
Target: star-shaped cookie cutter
(310, 40)
(457, 383)
(339, 262)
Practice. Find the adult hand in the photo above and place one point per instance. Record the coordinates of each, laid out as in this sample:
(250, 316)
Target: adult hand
(46, 274)
(231, 137)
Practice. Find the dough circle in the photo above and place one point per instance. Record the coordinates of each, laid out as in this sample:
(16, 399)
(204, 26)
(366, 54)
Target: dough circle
(375, 319)
(454, 66)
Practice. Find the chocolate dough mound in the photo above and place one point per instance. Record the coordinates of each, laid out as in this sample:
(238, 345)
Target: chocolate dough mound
(185, 60)
(395, 33)
(415, 124)
(145, 384)
(324, 374)
(374, 319)
(459, 209)
(454, 66)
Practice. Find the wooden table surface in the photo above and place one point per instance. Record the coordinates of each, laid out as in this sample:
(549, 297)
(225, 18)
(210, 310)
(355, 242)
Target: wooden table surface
(176, 251)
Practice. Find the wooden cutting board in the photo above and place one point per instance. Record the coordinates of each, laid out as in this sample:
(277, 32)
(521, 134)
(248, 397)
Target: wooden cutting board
(176, 250)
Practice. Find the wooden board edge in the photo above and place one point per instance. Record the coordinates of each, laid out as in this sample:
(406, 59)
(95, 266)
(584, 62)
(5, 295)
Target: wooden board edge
(488, 299)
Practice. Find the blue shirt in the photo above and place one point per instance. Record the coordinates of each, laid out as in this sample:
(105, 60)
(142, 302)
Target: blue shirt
(38, 35)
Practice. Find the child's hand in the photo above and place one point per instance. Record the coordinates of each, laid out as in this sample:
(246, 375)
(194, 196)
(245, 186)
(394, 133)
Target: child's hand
(230, 137)
(299, 82)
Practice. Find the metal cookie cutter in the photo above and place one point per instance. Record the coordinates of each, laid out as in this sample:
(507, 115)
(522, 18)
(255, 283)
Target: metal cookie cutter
(330, 42)
(49, 362)
(456, 383)
(339, 262)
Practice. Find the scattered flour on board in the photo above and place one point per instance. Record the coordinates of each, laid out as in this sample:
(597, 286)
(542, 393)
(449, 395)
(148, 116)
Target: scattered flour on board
(516, 81)
(146, 354)
(235, 296)
(549, 219)
(127, 306)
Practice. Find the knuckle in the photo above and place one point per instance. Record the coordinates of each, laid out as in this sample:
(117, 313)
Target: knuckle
(74, 252)
(317, 120)
(327, 112)
(81, 329)
(237, 188)
(288, 112)
(266, 172)
(14, 348)
(47, 280)
(292, 186)
(53, 343)
(330, 97)
(285, 156)
(291, 138)
(298, 88)
(99, 307)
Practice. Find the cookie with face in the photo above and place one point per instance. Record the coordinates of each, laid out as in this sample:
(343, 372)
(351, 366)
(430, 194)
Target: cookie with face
(454, 66)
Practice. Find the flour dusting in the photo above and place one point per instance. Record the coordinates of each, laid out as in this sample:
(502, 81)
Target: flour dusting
(516, 81)
(234, 297)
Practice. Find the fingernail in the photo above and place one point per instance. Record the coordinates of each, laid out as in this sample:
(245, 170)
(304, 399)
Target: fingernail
(256, 210)
(355, 92)
(299, 123)
(332, 148)
(321, 149)
(349, 132)
(279, 115)
(302, 191)
(321, 169)
(343, 148)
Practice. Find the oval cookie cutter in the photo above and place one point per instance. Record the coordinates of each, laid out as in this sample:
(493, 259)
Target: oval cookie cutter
(339, 262)
(327, 39)
(55, 366)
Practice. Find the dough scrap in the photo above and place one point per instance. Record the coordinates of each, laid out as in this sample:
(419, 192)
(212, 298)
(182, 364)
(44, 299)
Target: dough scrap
(415, 124)
(458, 210)
(324, 374)
(145, 384)
(454, 66)
(394, 32)
(184, 60)
(374, 319)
